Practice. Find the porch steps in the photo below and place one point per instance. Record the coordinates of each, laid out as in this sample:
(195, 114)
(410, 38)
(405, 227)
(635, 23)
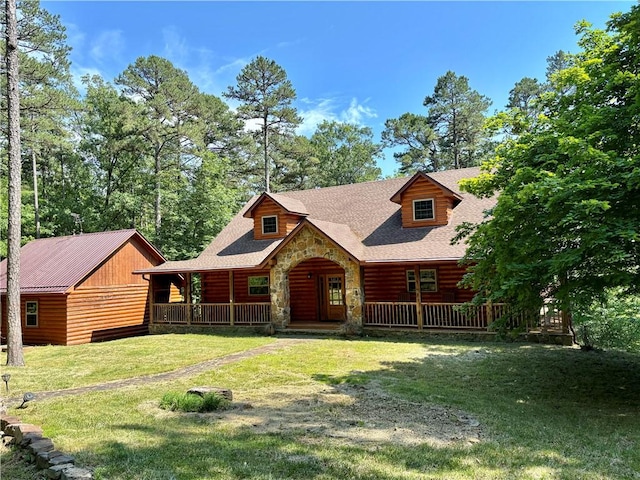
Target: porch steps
(323, 328)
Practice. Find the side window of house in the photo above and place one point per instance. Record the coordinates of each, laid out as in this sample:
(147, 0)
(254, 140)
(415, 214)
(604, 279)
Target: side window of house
(423, 209)
(259, 285)
(270, 224)
(428, 280)
(31, 314)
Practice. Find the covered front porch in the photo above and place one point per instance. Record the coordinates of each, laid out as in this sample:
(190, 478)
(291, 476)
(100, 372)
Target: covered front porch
(311, 283)
(316, 301)
(383, 315)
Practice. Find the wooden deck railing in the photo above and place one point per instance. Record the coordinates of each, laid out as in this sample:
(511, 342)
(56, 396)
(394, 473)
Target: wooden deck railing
(390, 314)
(252, 313)
(451, 316)
(171, 313)
(455, 316)
(212, 313)
(434, 315)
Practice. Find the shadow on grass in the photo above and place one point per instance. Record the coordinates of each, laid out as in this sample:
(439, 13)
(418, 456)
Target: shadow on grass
(548, 412)
(243, 454)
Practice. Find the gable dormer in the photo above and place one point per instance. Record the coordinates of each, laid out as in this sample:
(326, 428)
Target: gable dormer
(274, 216)
(424, 202)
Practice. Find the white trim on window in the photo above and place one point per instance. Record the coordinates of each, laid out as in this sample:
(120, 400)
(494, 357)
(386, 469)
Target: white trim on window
(426, 208)
(269, 217)
(31, 313)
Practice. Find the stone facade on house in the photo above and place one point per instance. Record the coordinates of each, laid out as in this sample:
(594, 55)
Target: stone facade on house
(308, 244)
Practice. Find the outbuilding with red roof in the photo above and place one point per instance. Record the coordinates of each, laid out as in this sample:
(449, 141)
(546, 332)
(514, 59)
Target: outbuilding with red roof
(81, 288)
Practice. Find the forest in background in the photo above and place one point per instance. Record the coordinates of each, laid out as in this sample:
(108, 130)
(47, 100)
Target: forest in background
(149, 150)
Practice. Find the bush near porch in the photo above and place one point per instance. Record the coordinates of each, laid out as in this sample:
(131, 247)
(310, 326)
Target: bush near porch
(541, 412)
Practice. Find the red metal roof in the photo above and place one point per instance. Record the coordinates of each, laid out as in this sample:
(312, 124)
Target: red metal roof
(56, 264)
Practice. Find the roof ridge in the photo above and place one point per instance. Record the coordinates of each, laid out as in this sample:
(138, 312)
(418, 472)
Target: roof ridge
(86, 234)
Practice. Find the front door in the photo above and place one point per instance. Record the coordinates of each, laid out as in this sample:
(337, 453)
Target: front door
(331, 289)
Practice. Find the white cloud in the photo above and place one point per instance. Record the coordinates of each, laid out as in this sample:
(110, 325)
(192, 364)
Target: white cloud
(176, 48)
(108, 45)
(357, 112)
(212, 79)
(332, 109)
(76, 38)
(77, 72)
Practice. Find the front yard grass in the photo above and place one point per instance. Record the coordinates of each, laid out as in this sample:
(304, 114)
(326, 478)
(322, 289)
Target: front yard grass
(56, 367)
(544, 412)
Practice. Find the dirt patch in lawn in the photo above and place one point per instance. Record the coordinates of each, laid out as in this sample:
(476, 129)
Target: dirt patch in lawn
(356, 414)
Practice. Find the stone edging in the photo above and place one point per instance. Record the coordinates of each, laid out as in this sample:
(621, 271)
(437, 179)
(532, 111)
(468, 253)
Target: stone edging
(40, 450)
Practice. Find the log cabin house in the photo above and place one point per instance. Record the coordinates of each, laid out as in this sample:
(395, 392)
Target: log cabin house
(80, 289)
(371, 255)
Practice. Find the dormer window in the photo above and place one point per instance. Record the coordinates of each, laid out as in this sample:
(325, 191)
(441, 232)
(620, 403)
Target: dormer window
(270, 225)
(423, 209)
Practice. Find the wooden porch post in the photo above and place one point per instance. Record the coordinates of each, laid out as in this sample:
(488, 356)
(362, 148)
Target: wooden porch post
(489, 307)
(151, 300)
(187, 295)
(566, 318)
(416, 271)
(232, 312)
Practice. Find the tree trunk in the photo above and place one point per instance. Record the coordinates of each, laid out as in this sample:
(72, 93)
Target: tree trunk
(265, 141)
(14, 324)
(34, 167)
(158, 197)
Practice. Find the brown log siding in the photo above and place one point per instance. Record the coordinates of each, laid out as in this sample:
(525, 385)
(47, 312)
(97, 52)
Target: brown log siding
(241, 286)
(118, 268)
(52, 323)
(304, 290)
(423, 189)
(286, 221)
(104, 313)
(215, 286)
(388, 283)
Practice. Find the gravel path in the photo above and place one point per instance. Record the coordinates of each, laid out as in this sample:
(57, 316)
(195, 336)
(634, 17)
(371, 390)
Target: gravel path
(279, 344)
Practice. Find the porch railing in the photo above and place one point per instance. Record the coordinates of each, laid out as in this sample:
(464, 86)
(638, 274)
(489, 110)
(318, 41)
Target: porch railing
(171, 313)
(451, 316)
(455, 316)
(212, 313)
(390, 314)
(252, 313)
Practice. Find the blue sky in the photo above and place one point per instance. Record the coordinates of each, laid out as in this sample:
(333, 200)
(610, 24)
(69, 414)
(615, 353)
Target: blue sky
(361, 62)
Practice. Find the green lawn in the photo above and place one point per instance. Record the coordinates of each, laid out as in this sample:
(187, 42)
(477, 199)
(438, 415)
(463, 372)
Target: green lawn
(544, 412)
(55, 367)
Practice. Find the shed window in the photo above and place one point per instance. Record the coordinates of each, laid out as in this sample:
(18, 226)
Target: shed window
(270, 224)
(428, 280)
(31, 316)
(259, 285)
(423, 209)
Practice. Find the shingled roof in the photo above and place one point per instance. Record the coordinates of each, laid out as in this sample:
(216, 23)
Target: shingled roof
(360, 218)
(56, 264)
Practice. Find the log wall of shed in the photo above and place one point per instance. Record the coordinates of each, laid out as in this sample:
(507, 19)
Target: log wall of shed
(107, 312)
(52, 319)
(118, 268)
